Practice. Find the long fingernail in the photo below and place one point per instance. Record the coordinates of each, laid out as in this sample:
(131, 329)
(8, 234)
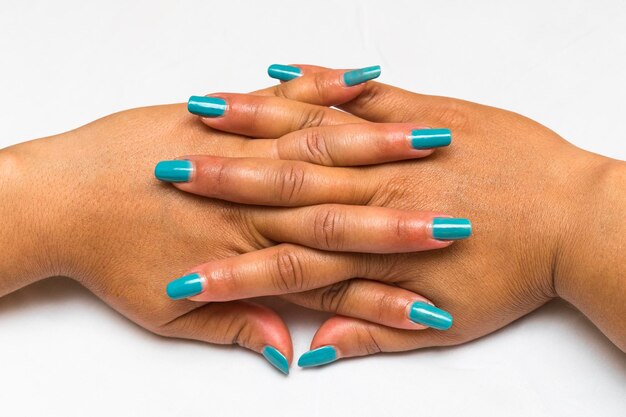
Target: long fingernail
(449, 228)
(206, 106)
(429, 315)
(359, 76)
(184, 287)
(317, 357)
(430, 138)
(276, 358)
(174, 171)
(283, 72)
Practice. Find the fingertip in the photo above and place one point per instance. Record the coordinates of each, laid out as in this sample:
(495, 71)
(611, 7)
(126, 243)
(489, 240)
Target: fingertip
(207, 107)
(276, 359)
(284, 72)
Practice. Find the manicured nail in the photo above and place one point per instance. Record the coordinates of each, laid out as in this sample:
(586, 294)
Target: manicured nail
(317, 357)
(284, 72)
(449, 228)
(429, 315)
(206, 106)
(184, 287)
(173, 171)
(276, 358)
(359, 76)
(430, 138)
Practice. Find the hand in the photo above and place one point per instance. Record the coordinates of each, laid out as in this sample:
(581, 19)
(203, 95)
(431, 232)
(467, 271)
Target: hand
(531, 195)
(84, 204)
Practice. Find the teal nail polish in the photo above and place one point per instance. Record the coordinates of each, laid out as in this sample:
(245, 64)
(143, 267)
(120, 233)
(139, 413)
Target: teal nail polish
(317, 357)
(430, 138)
(447, 228)
(206, 106)
(283, 72)
(184, 287)
(276, 358)
(359, 76)
(431, 316)
(173, 171)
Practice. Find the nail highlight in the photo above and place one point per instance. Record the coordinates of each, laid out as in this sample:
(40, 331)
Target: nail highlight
(206, 106)
(449, 228)
(361, 75)
(317, 357)
(429, 315)
(173, 171)
(186, 286)
(283, 72)
(276, 358)
(430, 138)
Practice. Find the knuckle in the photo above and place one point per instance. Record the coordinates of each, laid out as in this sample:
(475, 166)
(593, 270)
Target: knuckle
(289, 273)
(313, 118)
(452, 114)
(329, 227)
(333, 297)
(367, 340)
(385, 304)
(315, 148)
(288, 182)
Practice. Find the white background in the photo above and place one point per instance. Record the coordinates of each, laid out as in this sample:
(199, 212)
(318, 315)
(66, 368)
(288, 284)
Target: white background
(64, 63)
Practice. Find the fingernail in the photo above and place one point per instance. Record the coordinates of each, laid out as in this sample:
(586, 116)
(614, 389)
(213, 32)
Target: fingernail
(173, 171)
(276, 358)
(206, 106)
(184, 287)
(317, 357)
(448, 228)
(284, 72)
(430, 138)
(431, 316)
(359, 76)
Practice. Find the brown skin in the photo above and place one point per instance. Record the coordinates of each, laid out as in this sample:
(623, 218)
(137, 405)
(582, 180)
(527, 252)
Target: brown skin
(548, 220)
(544, 214)
(85, 204)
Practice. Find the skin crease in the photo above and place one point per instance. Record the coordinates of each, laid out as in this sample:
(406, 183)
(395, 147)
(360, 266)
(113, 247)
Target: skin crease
(519, 183)
(543, 212)
(85, 204)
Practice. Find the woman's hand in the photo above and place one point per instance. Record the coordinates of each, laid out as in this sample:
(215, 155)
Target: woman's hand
(535, 200)
(85, 204)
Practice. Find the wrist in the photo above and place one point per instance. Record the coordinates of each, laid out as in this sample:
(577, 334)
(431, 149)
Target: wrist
(590, 271)
(20, 260)
(27, 248)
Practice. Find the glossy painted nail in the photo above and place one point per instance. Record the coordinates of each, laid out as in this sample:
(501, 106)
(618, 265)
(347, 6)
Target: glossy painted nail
(276, 358)
(317, 357)
(430, 138)
(174, 171)
(206, 106)
(184, 287)
(449, 228)
(361, 75)
(429, 315)
(283, 72)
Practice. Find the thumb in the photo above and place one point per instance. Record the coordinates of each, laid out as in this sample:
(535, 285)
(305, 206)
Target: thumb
(246, 324)
(344, 337)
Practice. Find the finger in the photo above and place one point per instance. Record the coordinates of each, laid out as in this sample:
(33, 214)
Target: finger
(343, 337)
(377, 102)
(364, 229)
(268, 182)
(353, 144)
(288, 268)
(375, 302)
(262, 117)
(249, 325)
(275, 270)
(322, 87)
